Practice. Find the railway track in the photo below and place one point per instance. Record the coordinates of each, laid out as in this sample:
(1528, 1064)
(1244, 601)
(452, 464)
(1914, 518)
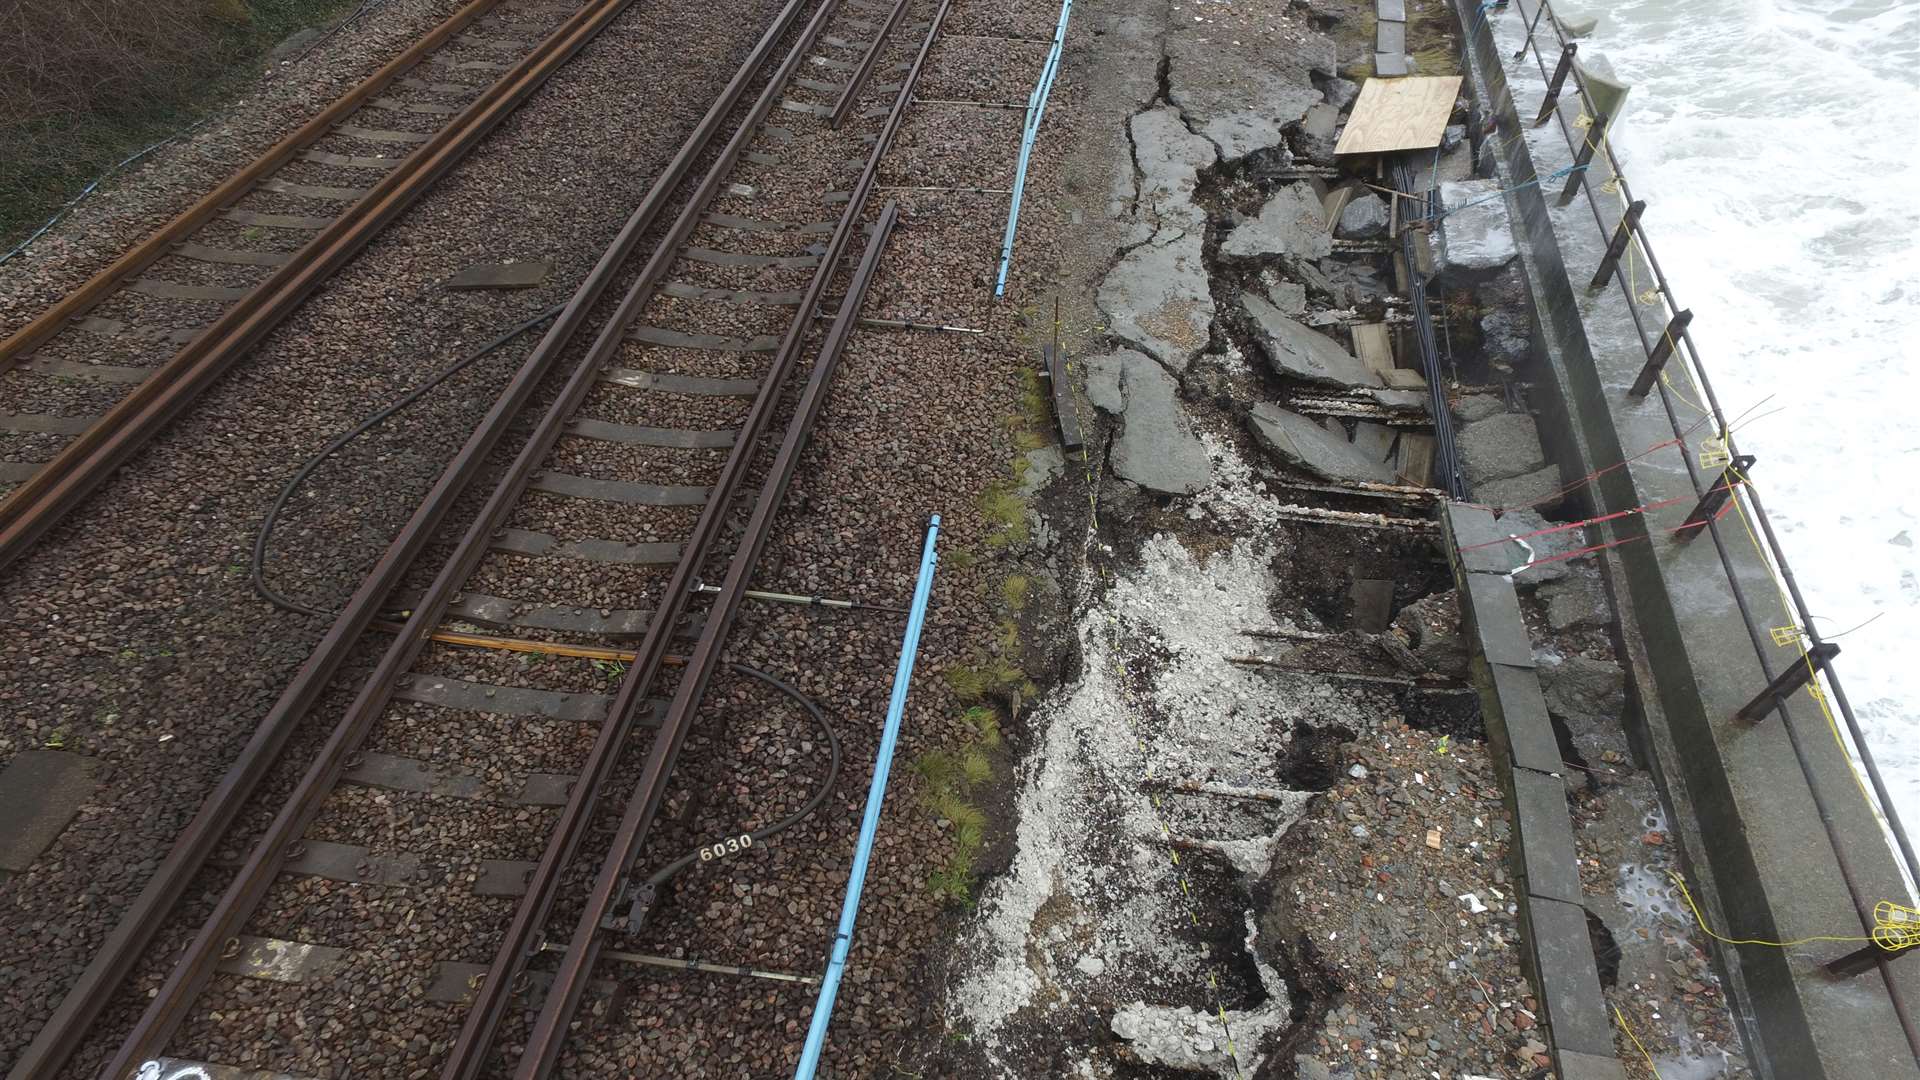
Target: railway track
(570, 621)
(88, 382)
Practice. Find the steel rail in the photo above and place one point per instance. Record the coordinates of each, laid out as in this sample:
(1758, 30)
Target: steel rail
(490, 1000)
(857, 80)
(116, 957)
(576, 964)
(64, 482)
(1771, 552)
(157, 244)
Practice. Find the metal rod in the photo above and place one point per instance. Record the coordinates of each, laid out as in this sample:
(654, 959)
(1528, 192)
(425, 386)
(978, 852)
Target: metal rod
(1616, 247)
(1531, 27)
(1787, 682)
(1662, 351)
(1863, 959)
(870, 820)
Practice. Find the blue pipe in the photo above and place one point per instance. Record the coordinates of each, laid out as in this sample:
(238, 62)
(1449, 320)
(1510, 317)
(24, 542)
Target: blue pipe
(1036, 108)
(870, 824)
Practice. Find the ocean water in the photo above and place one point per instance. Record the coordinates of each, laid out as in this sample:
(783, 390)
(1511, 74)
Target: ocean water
(1777, 144)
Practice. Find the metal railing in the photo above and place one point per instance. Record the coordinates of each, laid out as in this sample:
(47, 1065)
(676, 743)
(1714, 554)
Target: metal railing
(1674, 343)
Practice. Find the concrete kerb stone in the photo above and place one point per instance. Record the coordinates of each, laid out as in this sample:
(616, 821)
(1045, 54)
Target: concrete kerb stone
(1559, 951)
(1543, 854)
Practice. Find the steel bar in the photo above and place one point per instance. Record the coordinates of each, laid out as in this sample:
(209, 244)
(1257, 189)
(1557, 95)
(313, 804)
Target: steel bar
(1861, 960)
(1789, 681)
(576, 964)
(1616, 247)
(857, 81)
(1662, 351)
(122, 949)
(1708, 508)
(162, 240)
(63, 483)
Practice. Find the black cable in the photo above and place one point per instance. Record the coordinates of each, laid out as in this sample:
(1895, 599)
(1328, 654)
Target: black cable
(261, 538)
(648, 891)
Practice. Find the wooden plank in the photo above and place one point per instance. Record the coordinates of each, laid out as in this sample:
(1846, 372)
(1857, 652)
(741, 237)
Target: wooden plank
(1372, 604)
(1416, 458)
(1374, 348)
(1399, 114)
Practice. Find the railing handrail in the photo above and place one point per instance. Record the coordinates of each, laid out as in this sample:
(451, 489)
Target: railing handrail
(1769, 549)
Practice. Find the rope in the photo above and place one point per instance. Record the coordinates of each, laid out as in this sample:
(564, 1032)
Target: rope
(1895, 926)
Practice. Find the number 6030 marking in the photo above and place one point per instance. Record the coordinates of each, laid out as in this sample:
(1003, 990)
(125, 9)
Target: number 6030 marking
(720, 849)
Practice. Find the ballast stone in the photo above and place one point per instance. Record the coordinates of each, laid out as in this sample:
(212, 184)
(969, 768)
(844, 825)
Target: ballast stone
(1321, 449)
(1302, 353)
(1291, 223)
(1157, 448)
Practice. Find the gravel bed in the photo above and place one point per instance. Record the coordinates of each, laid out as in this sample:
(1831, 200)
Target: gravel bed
(690, 412)
(631, 461)
(478, 744)
(135, 614)
(541, 581)
(23, 391)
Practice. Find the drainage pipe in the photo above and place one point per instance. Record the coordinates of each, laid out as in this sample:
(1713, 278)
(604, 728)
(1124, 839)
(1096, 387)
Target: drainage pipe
(870, 823)
(1036, 108)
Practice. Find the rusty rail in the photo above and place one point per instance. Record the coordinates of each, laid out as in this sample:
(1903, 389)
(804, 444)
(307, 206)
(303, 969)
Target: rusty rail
(111, 964)
(576, 964)
(63, 483)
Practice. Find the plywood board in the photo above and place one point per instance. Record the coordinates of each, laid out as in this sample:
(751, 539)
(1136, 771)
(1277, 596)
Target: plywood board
(1399, 114)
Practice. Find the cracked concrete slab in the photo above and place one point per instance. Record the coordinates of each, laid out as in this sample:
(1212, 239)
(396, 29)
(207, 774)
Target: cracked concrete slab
(1242, 97)
(1321, 448)
(1301, 353)
(1169, 159)
(1157, 297)
(1499, 447)
(1290, 223)
(1157, 448)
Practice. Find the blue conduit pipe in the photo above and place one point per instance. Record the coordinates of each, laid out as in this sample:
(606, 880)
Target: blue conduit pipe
(870, 824)
(1036, 107)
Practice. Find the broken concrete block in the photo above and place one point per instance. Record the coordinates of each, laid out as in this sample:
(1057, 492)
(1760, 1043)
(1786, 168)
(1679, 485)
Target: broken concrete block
(1431, 627)
(1290, 223)
(1157, 448)
(1289, 296)
(1475, 407)
(1365, 218)
(1542, 541)
(1320, 448)
(1301, 353)
(1341, 93)
(1158, 297)
(1474, 235)
(1521, 492)
(1583, 686)
(1169, 158)
(1576, 602)
(1500, 446)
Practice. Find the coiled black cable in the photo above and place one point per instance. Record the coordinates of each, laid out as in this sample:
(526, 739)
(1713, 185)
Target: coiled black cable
(648, 892)
(261, 538)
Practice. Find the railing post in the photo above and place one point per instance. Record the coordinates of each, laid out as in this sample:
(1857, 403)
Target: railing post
(1858, 961)
(1553, 84)
(1581, 161)
(1716, 497)
(1617, 247)
(1787, 682)
(1531, 27)
(1662, 349)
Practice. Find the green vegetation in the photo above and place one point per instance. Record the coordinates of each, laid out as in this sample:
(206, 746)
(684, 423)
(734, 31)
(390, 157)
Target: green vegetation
(82, 86)
(950, 777)
(1007, 512)
(1014, 591)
